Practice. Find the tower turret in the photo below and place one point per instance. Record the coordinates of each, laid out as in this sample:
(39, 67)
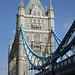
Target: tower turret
(51, 25)
(21, 13)
(51, 16)
(21, 8)
(20, 21)
(21, 4)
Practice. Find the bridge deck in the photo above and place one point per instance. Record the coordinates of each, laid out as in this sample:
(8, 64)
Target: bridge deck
(65, 67)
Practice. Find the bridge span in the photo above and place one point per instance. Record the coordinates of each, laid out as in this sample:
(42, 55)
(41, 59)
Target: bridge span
(65, 67)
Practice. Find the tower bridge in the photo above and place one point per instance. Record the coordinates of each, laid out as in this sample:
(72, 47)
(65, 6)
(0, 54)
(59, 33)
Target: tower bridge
(33, 46)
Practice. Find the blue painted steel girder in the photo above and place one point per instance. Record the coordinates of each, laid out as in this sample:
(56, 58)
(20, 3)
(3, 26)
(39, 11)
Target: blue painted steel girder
(65, 50)
(68, 35)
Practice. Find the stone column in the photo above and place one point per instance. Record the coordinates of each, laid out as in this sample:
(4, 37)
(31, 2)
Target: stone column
(52, 43)
(51, 25)
(20, 21)
(9, 58)
(20, 70)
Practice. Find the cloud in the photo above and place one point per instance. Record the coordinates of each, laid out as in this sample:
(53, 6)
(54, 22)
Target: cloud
(3, 70)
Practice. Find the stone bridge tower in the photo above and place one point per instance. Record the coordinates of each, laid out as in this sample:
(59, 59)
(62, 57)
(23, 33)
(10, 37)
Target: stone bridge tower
(37, 23)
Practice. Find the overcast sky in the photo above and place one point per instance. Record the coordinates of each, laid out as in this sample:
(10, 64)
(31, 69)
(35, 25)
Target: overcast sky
(64, 11)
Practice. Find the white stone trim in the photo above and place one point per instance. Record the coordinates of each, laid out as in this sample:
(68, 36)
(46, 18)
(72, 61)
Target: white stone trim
(36, 31)
(31, 16)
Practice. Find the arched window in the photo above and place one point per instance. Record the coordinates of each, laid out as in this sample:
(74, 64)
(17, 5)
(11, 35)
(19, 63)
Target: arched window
(37, 38)
(46, 40)
(34, 13)
(34, 20)
(30, 20)
(38, 21)
(42, 21)
(38, 13)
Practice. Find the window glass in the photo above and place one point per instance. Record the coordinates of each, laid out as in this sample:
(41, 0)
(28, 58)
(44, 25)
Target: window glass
(38, 13)
(42, 21)
(39, 21)
(34, 21)
(34, 13)
(36, 38)
(30, 21)
(46, 40)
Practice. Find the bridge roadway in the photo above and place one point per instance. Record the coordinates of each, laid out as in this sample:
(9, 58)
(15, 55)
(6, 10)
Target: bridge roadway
(65, 67)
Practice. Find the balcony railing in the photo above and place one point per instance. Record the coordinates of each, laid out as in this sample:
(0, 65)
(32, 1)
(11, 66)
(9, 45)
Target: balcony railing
(35, 26)
(36, 45)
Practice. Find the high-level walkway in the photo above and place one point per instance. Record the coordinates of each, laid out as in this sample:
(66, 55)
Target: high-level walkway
(65, 67)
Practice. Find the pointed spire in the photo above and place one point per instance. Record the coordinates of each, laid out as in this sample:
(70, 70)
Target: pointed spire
(50, 6)
(21, 4)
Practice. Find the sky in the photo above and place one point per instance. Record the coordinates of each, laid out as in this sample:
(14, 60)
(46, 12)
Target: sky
(64, 12)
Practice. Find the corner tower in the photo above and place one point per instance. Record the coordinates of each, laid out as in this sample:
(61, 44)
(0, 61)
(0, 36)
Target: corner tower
(21, 14)
(20, 49)
(51, 25)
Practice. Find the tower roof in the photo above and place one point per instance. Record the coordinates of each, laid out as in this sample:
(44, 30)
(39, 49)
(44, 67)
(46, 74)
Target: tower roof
(33, 2)
(50, 6)
(21, 4)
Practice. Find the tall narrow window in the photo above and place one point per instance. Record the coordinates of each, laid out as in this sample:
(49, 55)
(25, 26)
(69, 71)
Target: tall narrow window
(42, 21)
(38, 13)
(34, 20)
(34, 13)
(46, 40)
(39, 21)
(30, 20)
(37, 38)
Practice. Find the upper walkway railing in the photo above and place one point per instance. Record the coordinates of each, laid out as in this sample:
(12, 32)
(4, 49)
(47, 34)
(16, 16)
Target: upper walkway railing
(69, 62)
